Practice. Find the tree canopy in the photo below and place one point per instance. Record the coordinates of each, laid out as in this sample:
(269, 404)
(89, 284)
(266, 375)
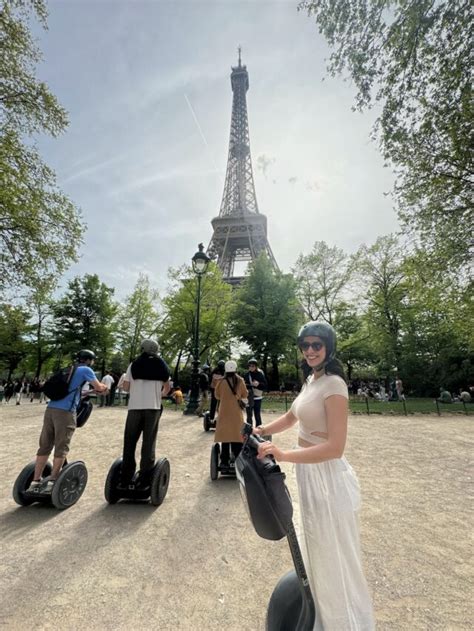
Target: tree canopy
(40, 228)
(414, 59)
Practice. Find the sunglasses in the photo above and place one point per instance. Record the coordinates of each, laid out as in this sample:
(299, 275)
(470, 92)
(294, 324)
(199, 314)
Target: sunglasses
(316, 346)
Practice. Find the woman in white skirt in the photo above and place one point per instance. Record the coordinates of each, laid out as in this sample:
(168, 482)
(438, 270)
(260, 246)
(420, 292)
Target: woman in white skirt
(328, 488)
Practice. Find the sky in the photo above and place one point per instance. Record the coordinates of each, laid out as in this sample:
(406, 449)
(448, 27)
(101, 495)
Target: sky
(147, 88)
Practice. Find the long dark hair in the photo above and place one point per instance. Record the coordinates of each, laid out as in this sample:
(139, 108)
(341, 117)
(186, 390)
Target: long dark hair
(333, 367)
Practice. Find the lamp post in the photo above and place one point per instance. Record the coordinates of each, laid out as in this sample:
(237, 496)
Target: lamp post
(200, 262)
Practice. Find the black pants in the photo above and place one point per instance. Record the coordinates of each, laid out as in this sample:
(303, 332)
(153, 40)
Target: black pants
(225, 451)
(213, 408)
(138, 422)
(257, 406)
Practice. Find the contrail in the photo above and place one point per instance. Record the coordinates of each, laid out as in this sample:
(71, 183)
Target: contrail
(201, 132)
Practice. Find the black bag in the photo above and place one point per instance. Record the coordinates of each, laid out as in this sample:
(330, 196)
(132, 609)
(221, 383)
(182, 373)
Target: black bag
(57, 386)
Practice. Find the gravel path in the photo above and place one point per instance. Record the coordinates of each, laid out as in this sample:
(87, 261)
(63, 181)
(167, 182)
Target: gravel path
(195, 563)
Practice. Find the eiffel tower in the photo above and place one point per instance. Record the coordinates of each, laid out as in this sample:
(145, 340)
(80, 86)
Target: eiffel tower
(240, 230)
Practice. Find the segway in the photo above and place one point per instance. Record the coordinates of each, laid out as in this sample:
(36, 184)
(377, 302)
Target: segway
(67, 489)
(216, 467)
(264, 492)
(208, 423)
(153, 488)
(71, 481)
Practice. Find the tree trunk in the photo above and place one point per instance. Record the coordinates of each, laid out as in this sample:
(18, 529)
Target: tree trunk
(275, 380)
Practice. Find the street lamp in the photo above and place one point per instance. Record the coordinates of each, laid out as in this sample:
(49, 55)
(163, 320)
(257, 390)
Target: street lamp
(200, 263)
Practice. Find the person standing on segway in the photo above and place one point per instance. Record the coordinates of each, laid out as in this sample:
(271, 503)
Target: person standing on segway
(328, 489)
(147, 381)
(59, 421)
(232, 396)
(256, 383)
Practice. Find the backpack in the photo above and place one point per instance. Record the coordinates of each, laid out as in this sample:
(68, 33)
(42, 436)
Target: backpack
(57, 386)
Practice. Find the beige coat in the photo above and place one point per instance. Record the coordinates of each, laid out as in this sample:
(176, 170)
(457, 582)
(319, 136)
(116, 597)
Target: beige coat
(231, 416)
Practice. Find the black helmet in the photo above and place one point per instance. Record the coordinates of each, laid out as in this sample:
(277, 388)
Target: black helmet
(326, 333)
(252, 360)
(221, 363)
(85, 354)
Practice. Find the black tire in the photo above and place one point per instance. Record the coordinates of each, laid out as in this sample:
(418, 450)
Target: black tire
(160, 481)
(23, 481)
(215, 454)
(70, 485)
(110, 490)
(206, 422)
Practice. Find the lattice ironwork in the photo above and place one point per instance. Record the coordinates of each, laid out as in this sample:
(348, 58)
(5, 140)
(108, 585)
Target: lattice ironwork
(240, 230)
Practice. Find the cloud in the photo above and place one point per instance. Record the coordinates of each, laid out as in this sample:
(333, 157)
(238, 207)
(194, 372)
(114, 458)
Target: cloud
(264, 162)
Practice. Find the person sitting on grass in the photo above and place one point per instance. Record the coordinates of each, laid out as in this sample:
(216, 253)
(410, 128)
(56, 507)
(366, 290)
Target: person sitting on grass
(444, 396)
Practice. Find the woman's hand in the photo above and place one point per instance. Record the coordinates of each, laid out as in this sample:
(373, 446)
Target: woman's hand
(269, 449)
(258, 430)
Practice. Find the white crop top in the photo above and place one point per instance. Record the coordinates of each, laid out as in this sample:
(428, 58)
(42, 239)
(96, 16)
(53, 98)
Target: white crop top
(308, 407)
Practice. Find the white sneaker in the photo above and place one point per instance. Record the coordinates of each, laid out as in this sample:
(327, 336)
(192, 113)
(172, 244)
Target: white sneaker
(34, 486)
(48, 486)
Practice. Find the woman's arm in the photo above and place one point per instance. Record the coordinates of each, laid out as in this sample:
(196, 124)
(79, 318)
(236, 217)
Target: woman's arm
(336, 414)
(280, 425)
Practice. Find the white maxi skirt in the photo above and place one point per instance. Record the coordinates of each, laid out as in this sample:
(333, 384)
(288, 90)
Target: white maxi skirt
(329, 498)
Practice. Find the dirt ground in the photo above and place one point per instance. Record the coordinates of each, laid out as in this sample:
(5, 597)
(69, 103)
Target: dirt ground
(196, 563)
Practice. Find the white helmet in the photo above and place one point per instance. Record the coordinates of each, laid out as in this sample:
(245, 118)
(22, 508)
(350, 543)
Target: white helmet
(231, 366)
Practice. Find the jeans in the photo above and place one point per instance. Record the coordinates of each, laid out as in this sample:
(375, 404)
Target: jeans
(257, 406)
(138, 422)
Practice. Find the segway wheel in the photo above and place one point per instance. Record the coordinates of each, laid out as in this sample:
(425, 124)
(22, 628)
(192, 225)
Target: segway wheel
(23, 481)
(160, 481)
(206, 422)
(110, 491)
(70, 485)
(84, 410)
(215, 454)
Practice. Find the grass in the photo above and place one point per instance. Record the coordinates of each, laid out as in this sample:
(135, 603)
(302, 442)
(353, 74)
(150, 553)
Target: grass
(412, 406)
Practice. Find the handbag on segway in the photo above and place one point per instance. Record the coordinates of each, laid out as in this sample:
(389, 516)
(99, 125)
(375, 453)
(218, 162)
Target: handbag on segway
(267, 499)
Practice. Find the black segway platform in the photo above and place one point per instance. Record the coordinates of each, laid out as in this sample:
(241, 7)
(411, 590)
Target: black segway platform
(264, 492)
(207, 422)
(153, 489)
(216, 467)
(67, 489)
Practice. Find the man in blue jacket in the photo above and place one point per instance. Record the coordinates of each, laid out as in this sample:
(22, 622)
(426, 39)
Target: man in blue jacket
(59, 422)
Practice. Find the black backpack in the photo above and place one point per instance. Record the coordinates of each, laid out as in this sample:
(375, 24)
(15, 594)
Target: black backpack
(57, 386)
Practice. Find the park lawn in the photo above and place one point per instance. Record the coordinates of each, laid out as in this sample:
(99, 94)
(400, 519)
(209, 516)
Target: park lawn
(412, 406)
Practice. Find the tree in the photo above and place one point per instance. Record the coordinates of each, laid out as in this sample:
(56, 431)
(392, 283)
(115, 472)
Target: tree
(414, 58)
(266, 313)
(382, 279)
(13, 331)
(85, 318)
(321, 278)
(40, 229)
(41, 304)
(177, 328)
(138, 317)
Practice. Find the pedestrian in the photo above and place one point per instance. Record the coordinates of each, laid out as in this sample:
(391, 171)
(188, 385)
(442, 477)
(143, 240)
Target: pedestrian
(399, 389)
(232, 396)
(59, 422)
(256, 383)
(18, 389)
(108, 381)
(121, 392)
(328, 489)
(146, 381)
(216, 375)
(203, 390)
